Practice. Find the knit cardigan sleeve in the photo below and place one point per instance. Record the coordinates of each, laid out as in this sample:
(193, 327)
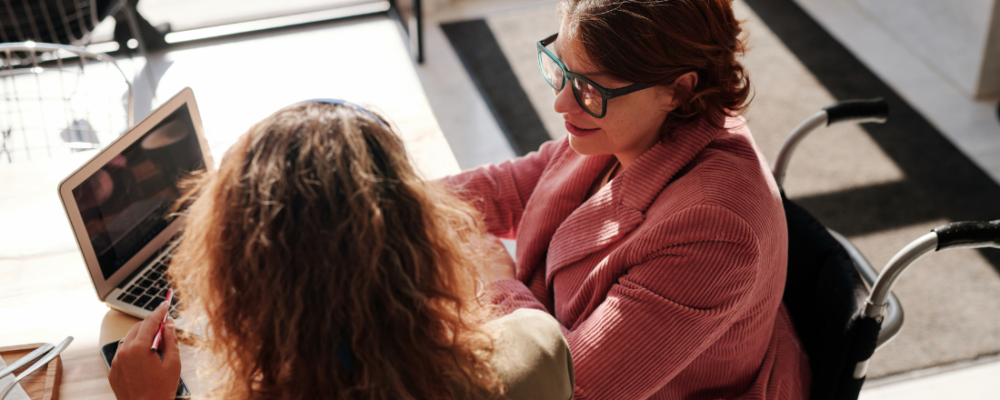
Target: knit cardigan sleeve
(665, 310)
(500, 191)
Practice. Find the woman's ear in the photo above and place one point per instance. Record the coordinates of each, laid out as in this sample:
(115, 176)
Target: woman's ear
(682, 87)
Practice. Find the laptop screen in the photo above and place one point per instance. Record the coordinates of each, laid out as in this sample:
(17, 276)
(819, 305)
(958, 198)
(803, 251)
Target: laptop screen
(127, 202)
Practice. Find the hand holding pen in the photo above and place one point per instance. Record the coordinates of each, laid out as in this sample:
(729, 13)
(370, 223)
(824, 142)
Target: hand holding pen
(158, 339)
(137, 373)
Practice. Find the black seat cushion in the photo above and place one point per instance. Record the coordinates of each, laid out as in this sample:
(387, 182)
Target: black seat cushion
(824, 295)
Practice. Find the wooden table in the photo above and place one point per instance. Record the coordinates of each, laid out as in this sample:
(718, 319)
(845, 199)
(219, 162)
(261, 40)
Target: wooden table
(44, 298)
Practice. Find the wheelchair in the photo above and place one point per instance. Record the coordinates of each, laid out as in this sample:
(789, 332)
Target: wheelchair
(842, 309)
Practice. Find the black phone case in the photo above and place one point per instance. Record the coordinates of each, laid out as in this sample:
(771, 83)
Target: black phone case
(109, 350)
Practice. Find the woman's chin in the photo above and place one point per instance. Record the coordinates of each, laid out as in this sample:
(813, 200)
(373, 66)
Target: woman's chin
(585, 145)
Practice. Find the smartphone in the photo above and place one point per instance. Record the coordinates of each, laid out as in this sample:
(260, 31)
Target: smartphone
(109, 350)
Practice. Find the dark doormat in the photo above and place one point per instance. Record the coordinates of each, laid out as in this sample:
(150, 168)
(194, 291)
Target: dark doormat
(481, 54)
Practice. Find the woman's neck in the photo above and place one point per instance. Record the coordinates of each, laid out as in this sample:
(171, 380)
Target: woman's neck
(626, 158)
(604, 178)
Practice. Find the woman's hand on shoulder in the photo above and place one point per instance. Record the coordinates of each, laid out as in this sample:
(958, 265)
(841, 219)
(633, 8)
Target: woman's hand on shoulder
(138, 373)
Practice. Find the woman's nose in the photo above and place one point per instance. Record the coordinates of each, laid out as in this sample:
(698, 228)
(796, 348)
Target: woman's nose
(565, 103)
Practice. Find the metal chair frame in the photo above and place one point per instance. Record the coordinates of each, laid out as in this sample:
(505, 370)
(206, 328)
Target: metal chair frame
(35, 66)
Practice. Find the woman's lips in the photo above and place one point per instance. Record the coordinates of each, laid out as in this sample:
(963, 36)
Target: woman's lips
(579, 132)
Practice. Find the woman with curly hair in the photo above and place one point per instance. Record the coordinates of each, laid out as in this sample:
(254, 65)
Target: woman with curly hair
(654, 231)
(326, 268)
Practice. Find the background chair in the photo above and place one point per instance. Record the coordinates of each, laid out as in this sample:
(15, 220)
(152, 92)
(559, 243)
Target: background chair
(71, 22)
(67, 22)
(58, 99)
(49, 103)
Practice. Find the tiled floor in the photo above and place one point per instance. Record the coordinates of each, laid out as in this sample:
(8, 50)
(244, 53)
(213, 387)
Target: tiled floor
(976, 380)
(973, 126)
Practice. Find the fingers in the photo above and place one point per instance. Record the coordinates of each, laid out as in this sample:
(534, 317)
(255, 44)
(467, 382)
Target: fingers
(171, 350)
(151, 324)
(118, 351)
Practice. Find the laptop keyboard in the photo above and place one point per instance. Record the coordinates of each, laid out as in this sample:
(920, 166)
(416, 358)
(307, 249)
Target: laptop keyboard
(149, 290)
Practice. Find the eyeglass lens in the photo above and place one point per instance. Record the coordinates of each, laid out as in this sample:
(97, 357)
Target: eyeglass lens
(550, 69)
(586, 95)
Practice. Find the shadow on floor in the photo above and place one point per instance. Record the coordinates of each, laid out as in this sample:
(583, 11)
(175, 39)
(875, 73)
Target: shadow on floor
(940, 182)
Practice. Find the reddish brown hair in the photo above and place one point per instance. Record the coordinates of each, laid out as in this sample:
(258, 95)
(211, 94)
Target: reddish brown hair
(316, 235)
(654, 42)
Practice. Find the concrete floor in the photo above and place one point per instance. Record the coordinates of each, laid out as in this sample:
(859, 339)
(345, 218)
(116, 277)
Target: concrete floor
(972, 125)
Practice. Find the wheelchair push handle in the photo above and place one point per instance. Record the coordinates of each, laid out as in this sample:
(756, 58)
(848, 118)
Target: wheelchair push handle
(871, 110)
(859, 111)
(968, 234)
(972, 234)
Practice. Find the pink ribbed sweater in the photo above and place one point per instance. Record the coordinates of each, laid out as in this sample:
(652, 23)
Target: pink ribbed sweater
(668, 280)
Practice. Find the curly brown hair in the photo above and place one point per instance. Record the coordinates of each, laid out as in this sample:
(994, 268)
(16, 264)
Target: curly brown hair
(654, 42)
(316, 235)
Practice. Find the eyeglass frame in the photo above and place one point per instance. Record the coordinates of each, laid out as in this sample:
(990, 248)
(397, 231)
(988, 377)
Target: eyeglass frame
(606, 94)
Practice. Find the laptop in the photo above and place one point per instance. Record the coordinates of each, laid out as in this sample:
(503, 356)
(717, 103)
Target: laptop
(120, 204)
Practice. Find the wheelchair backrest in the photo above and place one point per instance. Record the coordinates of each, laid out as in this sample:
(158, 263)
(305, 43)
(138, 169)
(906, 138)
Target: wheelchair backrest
(824, 295)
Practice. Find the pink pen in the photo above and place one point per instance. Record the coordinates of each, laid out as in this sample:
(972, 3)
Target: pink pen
(159, 331)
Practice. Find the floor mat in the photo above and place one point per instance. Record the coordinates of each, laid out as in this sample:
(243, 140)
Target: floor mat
(481, 55)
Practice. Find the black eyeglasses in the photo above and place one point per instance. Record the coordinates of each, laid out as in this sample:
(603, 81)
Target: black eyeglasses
(592, 97)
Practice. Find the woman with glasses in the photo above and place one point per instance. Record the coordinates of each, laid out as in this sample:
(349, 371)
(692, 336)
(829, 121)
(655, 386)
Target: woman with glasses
(653, 231)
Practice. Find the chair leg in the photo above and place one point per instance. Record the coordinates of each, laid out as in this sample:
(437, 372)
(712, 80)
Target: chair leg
(3, 145)
(130, 24)
(131, 16)
(418, 13)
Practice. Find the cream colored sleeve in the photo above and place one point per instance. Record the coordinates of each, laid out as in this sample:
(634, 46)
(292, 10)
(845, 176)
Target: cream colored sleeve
(533, 359)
